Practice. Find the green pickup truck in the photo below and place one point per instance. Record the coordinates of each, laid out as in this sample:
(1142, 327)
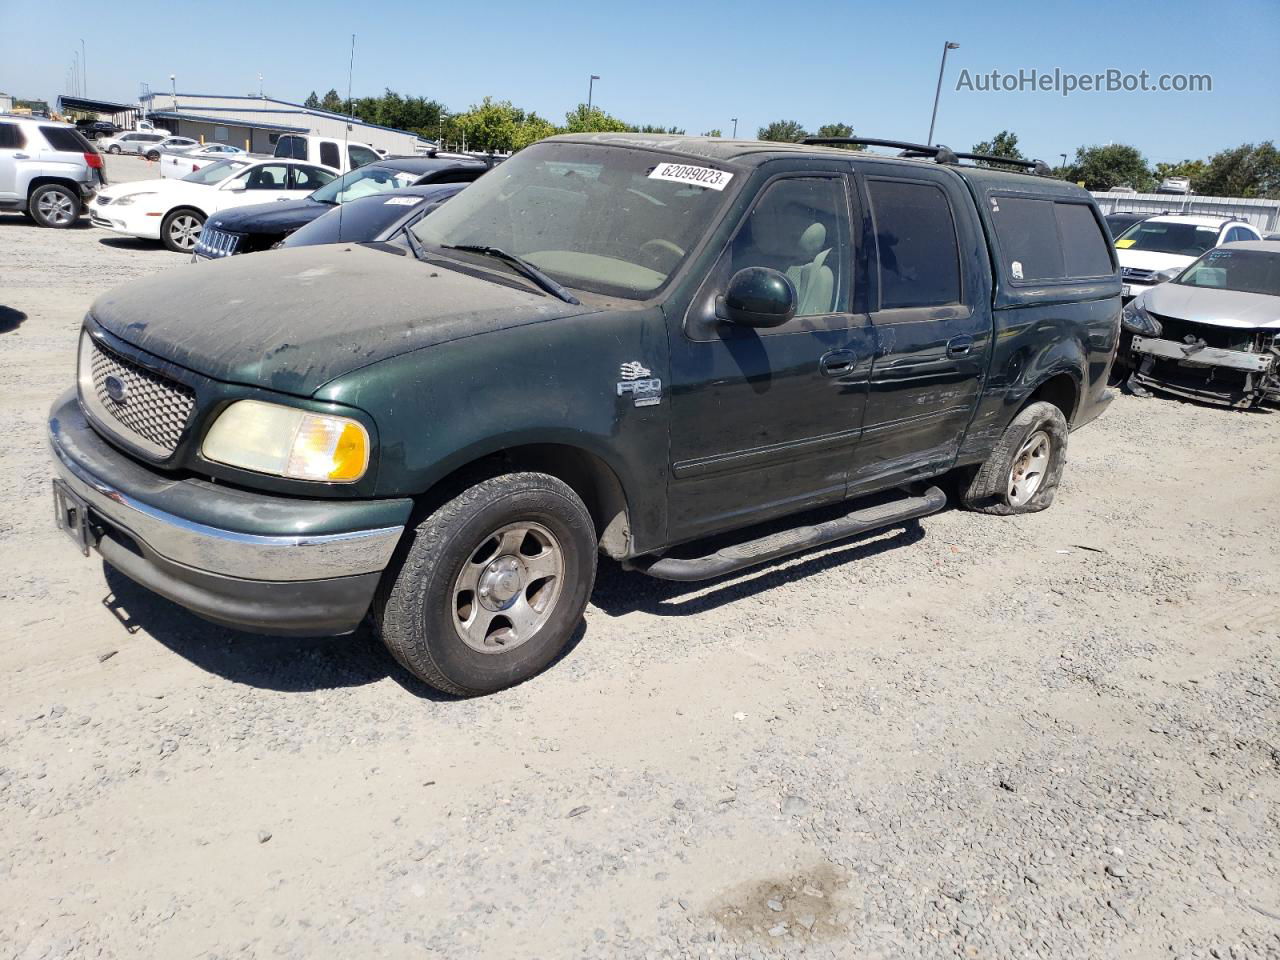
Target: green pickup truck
(610, 343)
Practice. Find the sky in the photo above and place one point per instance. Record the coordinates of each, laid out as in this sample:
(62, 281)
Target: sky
(698, 65)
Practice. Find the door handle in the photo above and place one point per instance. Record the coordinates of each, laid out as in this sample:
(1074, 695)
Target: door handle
(833, 363)
(22, 156)
(959, 346)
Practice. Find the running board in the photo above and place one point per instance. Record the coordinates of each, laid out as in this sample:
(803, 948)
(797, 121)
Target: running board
(734, 558)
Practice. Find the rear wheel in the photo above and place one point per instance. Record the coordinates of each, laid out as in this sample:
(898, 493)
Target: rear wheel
(492, 585)
(114, 148)
(180, 230)
(54, 205)
(1022, 473)
(153, 154)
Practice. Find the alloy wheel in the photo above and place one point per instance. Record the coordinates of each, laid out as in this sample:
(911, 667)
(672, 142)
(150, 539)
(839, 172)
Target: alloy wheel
(1029, 468)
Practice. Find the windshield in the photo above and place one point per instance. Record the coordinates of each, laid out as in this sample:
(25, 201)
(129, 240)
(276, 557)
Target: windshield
(364, 182)
(1246, 271)
(612, 220)
(1185, 239)
(216, 172)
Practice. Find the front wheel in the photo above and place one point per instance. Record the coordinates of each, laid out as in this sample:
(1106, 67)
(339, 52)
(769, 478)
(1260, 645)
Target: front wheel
(492, 585)
(153, 154)
(114, 148)
(1022, 473)
(181, 229)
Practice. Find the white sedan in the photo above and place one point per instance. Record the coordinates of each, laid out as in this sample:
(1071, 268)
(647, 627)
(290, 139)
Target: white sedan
(184, 162)
(174, 211)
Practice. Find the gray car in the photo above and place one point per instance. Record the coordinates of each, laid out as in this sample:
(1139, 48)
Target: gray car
(1213, 332)
(132, 142)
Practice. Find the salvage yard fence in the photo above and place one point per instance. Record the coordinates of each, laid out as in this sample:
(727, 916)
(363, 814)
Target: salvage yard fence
(1262, 214)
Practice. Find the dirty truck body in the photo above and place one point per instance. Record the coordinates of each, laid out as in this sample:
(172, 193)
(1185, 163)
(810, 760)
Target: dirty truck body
(733, 332)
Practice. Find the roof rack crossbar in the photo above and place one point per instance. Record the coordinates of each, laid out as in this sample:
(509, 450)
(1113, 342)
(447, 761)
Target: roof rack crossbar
(939, 152)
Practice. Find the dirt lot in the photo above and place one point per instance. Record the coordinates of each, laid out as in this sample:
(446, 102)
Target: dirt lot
(1049, 736)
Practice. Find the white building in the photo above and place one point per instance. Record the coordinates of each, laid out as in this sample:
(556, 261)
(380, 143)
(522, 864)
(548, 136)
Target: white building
(255, 123)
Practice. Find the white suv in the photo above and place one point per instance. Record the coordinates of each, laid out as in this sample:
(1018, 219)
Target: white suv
(139, 143)
(48, 170)
(1158, 248)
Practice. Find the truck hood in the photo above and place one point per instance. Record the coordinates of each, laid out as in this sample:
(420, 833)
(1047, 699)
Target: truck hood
(292, 320)
(1219, 308)
(282, 216)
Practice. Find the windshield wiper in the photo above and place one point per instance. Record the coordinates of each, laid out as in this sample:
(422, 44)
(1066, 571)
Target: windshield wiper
(521, 265)
(414, 243)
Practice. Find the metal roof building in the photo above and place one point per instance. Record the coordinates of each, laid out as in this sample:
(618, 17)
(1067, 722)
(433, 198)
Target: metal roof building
(259, 121)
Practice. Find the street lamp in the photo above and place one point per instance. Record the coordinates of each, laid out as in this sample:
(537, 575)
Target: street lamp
(173, 85)
(259, 86)
(1064, 163)
(938, 93)
(735, 127)
(590, 86)
(84, 70)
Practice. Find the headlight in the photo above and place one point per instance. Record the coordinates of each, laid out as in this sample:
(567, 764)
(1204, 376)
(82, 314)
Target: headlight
(1135, 319)
(288, 442)
(129, 198)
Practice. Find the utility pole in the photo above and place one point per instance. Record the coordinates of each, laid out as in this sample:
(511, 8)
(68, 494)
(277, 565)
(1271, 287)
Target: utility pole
(938, 93)
(735, 127)
(590, 87)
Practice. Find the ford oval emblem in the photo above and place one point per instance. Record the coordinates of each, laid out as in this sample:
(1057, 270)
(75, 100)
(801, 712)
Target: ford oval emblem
(116, 388)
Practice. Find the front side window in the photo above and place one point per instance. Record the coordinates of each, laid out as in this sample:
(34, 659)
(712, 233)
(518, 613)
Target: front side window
(269, 176)
(612, 220)
(916, 244)
(215, 172)
(1184, 239)
(292, 147)
(799, 227)
(359, 155)
(363, 182)
(1246, 271)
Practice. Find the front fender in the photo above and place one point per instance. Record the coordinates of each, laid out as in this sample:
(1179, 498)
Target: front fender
(443, 407)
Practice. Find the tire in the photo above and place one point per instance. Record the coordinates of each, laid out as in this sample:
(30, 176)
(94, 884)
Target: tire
(1022, 473)
(181, 228)
(521, 543)
(153, 155)
(114, 148)
(54, 205)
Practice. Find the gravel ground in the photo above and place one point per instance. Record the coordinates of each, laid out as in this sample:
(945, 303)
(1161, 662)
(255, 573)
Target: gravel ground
(1046, 736)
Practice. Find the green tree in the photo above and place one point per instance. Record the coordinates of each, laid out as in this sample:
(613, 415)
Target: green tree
(1101, 168)
(839, 130)
(595, 120)
(1246, 171)
(331, 102)
(312, 102)
(782, 131)
(713, 132)
(497, 125)
(1003, 144)
(649, 128)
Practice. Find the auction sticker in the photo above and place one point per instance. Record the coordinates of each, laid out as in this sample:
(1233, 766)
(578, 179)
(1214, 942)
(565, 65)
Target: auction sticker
(402, 201)
(695, 176)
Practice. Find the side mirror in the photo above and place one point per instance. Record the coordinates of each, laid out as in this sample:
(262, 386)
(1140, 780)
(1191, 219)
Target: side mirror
(236, 187)
(757, 297)
(1164, 276)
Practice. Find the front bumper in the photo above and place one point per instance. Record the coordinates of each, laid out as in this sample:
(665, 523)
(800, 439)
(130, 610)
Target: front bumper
(263, 563)
(126, 220)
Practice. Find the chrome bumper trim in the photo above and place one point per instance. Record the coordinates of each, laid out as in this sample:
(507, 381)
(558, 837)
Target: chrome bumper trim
(242, 555)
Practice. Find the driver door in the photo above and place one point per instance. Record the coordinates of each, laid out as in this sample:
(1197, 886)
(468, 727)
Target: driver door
(764, 421)
(260, 184)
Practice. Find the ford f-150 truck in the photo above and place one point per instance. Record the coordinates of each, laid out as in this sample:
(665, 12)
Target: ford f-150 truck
(611, 343)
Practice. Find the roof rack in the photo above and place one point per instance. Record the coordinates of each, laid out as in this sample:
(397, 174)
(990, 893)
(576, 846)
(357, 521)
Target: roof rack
(939, 152)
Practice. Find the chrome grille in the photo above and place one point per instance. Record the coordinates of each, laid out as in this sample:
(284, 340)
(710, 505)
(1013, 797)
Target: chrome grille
(1138, 276)
(217, 243)
(151, 410)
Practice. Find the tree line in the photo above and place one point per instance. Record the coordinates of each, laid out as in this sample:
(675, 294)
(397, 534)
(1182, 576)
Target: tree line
(1249, 170)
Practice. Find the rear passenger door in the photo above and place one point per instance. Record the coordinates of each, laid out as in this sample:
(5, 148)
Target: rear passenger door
(932, 317)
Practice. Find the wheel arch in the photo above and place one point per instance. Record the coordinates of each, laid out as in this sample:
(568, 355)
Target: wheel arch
(1062, 388)
(47, 179)
(586, 472)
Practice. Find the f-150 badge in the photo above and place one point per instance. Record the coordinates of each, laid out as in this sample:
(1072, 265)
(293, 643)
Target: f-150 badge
(636, 380)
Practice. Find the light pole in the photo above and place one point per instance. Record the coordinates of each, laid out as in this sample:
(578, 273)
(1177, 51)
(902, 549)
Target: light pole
(1064, 163)
(938, 93)
(259, 86)
(735, 127)
(173, 85)
(84, 68)
(75, 72)
(590, 89)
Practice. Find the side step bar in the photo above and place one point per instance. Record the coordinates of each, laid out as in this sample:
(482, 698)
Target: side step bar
(734, 558)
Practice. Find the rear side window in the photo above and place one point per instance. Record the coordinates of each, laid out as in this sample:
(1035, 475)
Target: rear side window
(11, 136)
(916, 242)
(1028, 234)
(1084, 249)
(66, 140)
(361, 155)
(1044, 240)
(329, 154)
